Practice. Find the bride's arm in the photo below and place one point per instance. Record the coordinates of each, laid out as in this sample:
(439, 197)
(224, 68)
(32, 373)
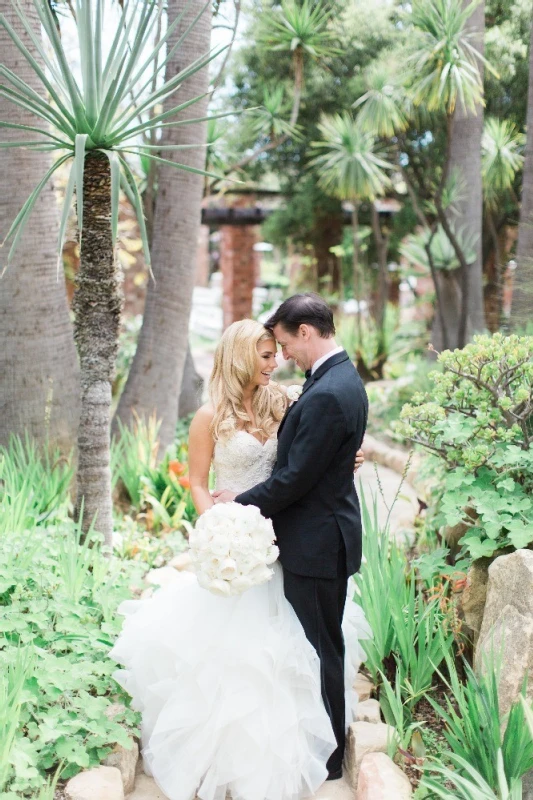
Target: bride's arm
(201, 448)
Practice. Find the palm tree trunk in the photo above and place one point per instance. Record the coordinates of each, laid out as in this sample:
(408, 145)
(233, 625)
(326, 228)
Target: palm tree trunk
(97, 304)
(357, 288)
(153, 384)
(382, 294)
(191, 388)
(465, 159)
(522, 303)
(39, 372)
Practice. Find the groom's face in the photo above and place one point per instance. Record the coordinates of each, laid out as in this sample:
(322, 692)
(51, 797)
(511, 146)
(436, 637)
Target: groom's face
(295, 346)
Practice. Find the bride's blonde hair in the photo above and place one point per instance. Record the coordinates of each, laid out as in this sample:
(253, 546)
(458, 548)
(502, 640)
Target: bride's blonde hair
(234, 368)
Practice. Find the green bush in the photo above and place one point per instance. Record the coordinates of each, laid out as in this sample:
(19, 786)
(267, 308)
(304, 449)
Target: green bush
(478, 421)
(58, 620)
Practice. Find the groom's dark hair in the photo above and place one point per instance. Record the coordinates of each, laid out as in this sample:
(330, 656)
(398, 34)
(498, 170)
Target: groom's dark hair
(304, 309)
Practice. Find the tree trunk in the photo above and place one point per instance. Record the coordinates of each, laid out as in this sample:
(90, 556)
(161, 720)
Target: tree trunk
(191, 388)
(153, 385)
(465, 159)
(382, 292)
(522, 303)
(38, 366)
(327, 232)
(97, 304)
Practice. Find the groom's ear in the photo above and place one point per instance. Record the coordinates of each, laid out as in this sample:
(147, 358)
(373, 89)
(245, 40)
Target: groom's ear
(305, 331)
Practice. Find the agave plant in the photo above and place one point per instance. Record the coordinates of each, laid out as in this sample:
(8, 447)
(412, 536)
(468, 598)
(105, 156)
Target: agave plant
(94, 125)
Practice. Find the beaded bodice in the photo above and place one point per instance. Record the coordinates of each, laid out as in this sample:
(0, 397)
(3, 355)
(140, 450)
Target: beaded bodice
(241, 461)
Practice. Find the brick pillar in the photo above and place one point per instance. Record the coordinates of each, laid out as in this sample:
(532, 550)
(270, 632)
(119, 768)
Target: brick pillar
(202, 257)
(238, 264)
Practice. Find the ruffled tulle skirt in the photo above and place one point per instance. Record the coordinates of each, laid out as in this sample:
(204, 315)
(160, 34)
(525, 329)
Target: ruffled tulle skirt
(229, 690)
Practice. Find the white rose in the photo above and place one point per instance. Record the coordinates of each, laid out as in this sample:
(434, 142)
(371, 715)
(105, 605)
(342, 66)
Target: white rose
(228, 569)
(294, 392)
(220, 587)
(272, 554)
(220, 545)
(241, 583)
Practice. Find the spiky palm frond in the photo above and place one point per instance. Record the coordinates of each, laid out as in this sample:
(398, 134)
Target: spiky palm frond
(349, 164)
(109, 109)
(270, 119)
(305, 26)
(386, 108)
(501, 158)
(444, 65)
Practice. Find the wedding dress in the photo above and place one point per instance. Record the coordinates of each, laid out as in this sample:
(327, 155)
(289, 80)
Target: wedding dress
(229, 687)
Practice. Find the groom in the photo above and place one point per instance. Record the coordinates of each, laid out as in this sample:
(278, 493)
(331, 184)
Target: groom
(311, 496)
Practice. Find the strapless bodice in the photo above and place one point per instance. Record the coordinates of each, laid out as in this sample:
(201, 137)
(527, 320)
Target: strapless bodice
(241, 461)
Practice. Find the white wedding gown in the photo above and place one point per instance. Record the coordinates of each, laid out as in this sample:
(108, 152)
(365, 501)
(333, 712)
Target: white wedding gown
(229, 687)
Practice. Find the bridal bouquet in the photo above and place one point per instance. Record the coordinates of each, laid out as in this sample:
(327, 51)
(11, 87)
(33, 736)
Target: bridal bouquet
(232, 547)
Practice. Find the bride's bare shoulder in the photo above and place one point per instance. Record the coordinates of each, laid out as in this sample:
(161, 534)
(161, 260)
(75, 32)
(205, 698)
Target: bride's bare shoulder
(203, 418)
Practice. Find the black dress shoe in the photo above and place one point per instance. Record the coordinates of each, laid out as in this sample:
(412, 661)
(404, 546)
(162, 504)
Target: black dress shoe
(334, 776)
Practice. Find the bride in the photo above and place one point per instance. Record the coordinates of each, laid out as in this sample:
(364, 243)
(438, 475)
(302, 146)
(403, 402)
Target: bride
(229, 687)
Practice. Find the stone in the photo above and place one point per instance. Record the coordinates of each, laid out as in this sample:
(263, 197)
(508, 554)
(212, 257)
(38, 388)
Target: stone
(381, 779)
(506, 633)
(368, 711)
(146, 789)
(125, 760)
(509, 642)
(474, 596)
(335, 790)
(114, 709)
(510, 583)
(182, 562)
(363, 686)
(363, 738)
(100, 783)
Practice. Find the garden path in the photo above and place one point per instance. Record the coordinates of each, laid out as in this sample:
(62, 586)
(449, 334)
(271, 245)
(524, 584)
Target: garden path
(401, 521)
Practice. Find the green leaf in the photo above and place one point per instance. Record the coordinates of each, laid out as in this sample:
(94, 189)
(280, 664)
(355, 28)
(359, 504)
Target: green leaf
(79, 162)
(135, 199)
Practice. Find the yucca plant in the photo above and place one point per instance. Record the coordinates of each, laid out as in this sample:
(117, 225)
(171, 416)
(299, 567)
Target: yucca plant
(94, 126)
(469, 783)
(350, 166)
(502, 158)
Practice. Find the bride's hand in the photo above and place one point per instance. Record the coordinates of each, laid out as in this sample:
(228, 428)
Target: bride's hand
(223, 496)
(359, 460)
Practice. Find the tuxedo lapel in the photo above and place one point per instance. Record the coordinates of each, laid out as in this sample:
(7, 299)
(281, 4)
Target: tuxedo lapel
(338, 358)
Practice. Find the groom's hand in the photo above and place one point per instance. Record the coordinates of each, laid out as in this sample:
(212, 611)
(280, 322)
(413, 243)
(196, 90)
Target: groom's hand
(223, 496)
(359, 460)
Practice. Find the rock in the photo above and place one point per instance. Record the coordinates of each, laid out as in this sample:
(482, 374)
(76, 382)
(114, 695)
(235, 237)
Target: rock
(146, 789)
(100, 783)
(507, 628)
(363, 686)
(474, 595)
(335, 790)
(182, 562)
(114, 709)
(364, 738)
(381, 779)
(368, 711)
(125, 760)
(510, 639)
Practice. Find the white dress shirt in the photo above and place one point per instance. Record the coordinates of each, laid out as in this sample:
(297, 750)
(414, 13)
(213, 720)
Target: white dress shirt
(321, 360)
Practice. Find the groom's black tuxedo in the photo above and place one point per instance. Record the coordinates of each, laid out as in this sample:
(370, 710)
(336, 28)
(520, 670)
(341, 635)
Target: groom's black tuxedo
(313, 504)
(311, 495)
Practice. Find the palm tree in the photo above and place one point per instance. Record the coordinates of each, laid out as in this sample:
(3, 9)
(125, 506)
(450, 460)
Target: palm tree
(155, 377)
(523, 279)
(39, 385)
(94, 125)
(350, 167)
(501, 159)
(440, 76)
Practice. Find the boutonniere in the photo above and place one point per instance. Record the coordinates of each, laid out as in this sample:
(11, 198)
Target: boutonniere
(294, 392)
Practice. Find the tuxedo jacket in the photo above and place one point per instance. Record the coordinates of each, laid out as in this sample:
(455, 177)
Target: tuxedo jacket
(311, 496)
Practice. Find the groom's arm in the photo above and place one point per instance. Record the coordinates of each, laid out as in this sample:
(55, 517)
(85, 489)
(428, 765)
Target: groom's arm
(319, 435)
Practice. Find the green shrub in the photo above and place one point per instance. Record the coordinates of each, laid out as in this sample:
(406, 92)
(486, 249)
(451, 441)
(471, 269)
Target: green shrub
(34, 484)
(478, 421)
(58, 620)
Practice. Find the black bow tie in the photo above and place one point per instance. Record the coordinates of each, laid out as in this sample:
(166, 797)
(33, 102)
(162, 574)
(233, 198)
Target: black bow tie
(307, 374)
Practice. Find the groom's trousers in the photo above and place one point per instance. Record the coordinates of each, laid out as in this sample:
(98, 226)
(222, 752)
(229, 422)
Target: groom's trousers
(319, 605)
